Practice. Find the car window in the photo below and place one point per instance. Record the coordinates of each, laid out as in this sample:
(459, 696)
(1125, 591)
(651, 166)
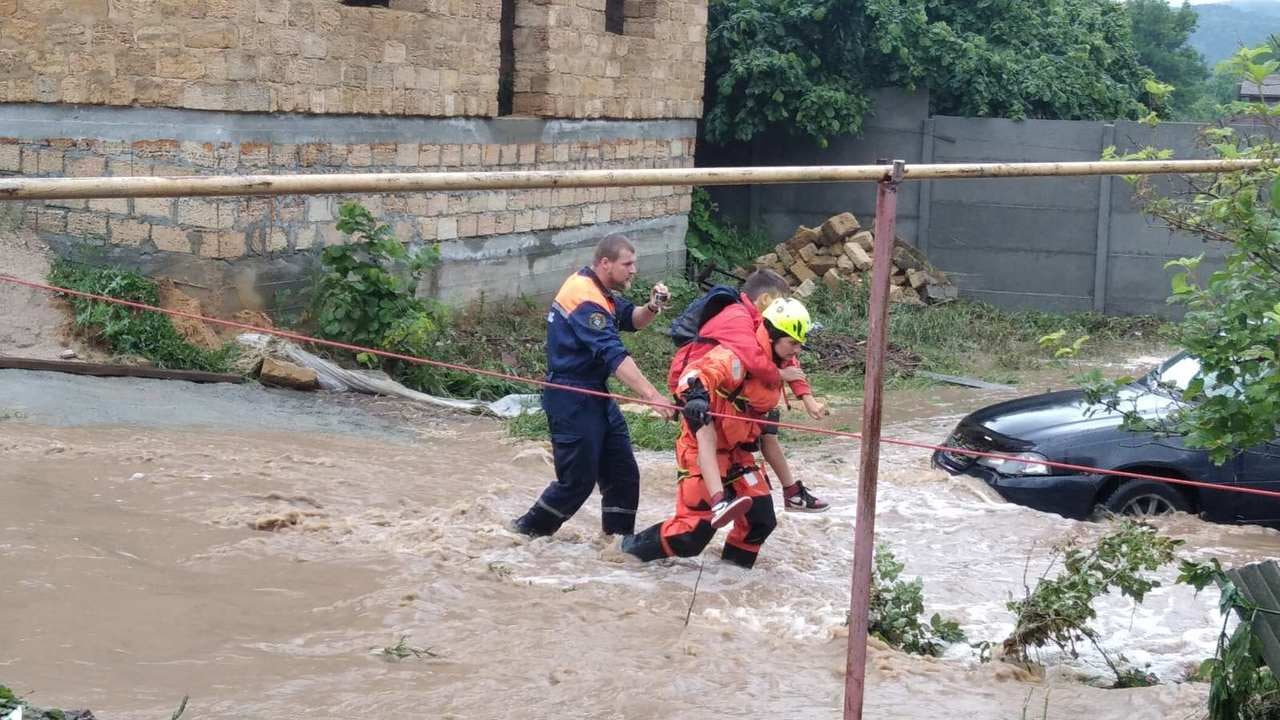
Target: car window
(1178, 372)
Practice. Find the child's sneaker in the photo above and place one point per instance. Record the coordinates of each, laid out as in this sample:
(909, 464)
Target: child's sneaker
(797, 499)
(726, 511)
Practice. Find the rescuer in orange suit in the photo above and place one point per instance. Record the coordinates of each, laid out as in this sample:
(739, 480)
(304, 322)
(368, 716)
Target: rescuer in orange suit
(737, 490)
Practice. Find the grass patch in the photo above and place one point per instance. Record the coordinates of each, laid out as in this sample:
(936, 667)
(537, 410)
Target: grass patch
(647, 431)
(125, 331)
(964, 337)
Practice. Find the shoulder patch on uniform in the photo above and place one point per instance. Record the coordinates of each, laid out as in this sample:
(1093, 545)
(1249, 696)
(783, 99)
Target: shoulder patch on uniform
(597, 321)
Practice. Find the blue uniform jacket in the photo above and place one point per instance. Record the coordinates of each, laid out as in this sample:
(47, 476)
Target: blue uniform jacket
(583, 346)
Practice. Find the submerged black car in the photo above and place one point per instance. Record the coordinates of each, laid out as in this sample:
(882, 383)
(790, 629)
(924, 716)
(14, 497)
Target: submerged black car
(1064, 427)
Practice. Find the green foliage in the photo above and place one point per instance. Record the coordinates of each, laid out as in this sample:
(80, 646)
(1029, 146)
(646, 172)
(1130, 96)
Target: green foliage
(711, 240)
(9, 701)
(1232, 314)
(897, 606)
(126, 331)
(647, 432)
(1061, 347)
(807, 66)
(967, 337)
(1162, 35)
(366, 289)
(1058, 611)
(1241, 686)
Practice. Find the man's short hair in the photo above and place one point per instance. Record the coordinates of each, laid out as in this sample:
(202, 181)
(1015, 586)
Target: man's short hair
(764, 281)
(611, 247)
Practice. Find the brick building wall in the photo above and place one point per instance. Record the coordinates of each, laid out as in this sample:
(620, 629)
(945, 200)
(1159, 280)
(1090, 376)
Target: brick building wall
(182, 87)
(569, 65)
(417, 57)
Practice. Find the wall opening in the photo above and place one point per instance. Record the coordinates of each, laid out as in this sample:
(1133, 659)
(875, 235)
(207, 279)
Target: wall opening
(367, 3)
(507, 58)
(614, 16)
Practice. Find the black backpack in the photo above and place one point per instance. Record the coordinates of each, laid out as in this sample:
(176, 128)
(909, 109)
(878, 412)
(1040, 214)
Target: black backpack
(684, 329)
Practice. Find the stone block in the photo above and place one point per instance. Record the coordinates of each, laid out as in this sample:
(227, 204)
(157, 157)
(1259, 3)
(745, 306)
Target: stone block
(407, 155)
(839, 227)
(87, 224)
(279, 373)
(802, 272)
(900, 295)
(784, 254)
(116, 206)
(822, 263)
(941, 293)
(277, 240)
(832, 279)
(83, 167)
(447, 228)
(858, 256)
(808, 252)
(10, 157)
(128, 232)
(211, 35)
(198, 213)
(154, 207)
(168, 238)
(864, 240)
(804, 236)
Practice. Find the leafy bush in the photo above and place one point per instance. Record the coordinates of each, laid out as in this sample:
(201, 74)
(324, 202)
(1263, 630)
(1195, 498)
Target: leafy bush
(366, 290)
(897, 606)
(1241, 686)
(712, 240)
(1059, 611)
(126, 331)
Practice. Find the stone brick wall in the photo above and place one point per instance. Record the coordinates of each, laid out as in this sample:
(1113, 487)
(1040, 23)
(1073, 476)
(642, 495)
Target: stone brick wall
(568, 65)
(229, 228)
(418, 57)
(497, 243)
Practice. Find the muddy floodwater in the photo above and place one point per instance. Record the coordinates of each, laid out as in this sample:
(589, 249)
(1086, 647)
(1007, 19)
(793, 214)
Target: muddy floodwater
(250, 548)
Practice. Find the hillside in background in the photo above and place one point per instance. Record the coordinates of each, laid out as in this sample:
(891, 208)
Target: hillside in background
(1224, 27)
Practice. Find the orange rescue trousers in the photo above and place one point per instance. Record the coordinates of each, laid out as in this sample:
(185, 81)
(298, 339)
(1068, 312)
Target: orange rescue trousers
(689, 531)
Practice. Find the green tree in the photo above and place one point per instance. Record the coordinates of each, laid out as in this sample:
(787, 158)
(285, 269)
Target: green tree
(807, 66)
(1161, 34)
(1232, 315)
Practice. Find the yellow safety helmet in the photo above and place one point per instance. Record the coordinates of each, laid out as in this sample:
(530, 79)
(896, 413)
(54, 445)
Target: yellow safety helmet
(789, 317)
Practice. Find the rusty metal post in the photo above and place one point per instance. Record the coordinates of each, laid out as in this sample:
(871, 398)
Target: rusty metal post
(864, 532)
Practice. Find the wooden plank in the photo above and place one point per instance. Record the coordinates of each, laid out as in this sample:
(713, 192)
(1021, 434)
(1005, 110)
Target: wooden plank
(1260, 585)
(964, 381)
(103, 370)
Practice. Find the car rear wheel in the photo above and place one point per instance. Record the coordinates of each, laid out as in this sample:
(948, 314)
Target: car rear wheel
(1145, 499)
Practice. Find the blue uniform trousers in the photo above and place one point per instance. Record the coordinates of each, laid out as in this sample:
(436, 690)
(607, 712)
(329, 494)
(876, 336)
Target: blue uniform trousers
(592, 447)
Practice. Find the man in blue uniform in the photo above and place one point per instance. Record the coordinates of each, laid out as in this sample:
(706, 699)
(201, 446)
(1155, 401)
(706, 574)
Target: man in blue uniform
(589, 436)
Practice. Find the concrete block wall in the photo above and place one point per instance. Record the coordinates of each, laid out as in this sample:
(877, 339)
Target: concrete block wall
(497, 243)
(417, 57)
(1055, 244)
(568, 65)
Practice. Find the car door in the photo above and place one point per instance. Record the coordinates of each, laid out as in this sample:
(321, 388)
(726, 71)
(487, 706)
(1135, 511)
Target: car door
(1259, 468)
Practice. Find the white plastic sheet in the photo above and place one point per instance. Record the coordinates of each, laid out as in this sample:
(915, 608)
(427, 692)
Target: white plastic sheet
(339, 379)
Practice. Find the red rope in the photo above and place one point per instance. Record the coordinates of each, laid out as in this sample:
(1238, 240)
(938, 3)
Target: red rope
(1085, 469)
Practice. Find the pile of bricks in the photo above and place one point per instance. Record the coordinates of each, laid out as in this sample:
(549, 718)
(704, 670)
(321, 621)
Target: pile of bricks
(839, 253)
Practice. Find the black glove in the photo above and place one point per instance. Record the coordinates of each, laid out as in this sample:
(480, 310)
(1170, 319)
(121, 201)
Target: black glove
(697, 406)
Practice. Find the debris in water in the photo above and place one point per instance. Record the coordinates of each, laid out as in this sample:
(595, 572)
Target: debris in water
(402, 650)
